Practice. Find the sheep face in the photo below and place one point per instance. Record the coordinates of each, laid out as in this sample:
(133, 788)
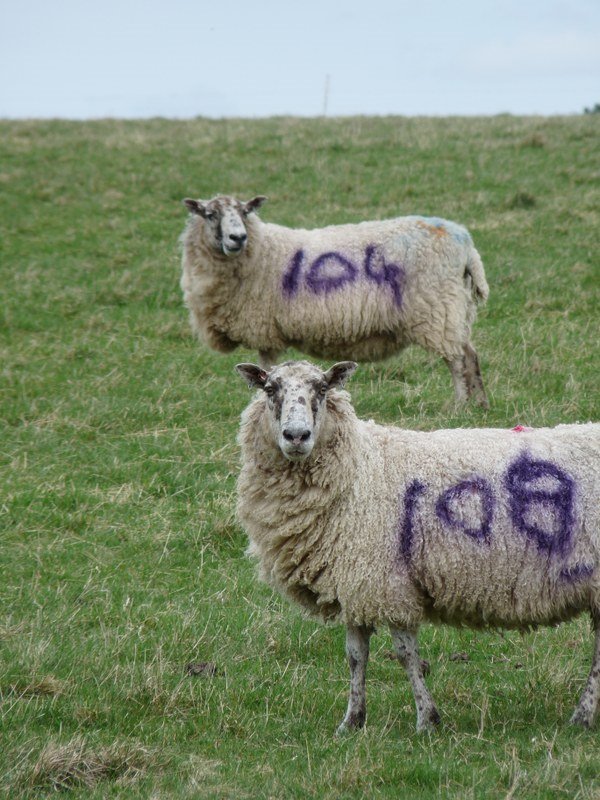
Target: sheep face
(296, 401)
(225, 221)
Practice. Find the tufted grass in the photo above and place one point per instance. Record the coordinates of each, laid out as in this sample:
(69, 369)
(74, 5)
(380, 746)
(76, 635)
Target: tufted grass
(120, 557)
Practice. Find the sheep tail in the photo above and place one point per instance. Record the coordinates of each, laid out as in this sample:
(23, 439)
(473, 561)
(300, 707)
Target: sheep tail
(475, 275)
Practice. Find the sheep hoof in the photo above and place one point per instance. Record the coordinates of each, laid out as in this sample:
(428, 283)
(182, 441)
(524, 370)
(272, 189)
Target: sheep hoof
(429, 721)
(582, 718)
(347, 728)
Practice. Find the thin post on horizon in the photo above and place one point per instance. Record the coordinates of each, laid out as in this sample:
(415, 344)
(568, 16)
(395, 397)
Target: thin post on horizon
(326, 94)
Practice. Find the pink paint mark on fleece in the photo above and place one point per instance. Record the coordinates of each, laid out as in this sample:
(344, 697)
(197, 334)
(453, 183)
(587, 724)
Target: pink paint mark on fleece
(521, 429)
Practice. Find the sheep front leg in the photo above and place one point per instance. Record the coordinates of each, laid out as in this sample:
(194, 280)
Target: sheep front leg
(357, 652)
(267, 358)
(407, 650)
(586, 708)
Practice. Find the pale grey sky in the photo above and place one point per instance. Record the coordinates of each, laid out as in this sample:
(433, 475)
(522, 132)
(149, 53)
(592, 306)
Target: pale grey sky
(183, 58)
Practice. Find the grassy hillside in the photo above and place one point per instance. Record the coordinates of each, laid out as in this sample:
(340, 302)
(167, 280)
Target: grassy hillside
(120, 557)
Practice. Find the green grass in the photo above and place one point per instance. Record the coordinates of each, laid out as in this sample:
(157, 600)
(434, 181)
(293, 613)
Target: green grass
(120, 557)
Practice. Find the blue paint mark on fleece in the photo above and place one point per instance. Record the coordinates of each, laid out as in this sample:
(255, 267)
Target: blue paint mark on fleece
(457, 232)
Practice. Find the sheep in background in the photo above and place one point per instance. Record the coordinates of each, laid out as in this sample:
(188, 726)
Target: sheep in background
(363, 291)
(369, 525)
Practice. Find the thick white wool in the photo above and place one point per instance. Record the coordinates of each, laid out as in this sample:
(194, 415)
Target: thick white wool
(361, 291)
(477, 527)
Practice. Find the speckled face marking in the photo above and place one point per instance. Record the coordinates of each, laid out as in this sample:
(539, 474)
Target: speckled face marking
(296, 401)
(225, 224)
(295, 408)
(275, 397)
(225, 221)
(317, 395)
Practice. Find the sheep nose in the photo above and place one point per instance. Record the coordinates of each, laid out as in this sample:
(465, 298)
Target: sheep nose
(296, 435)
(238, 238)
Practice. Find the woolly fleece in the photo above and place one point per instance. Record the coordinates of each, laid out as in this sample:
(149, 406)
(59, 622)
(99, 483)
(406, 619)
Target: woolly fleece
(341, 534)
(243, 301)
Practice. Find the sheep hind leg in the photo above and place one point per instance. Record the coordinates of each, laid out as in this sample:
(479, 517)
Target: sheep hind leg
(588, 702)
(407, 650)
(466, 377)
(472, 376)
(357, 652)
(457, 370)
(267, 358)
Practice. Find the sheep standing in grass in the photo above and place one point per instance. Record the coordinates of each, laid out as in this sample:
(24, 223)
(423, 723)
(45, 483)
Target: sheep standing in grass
(362, 291)
(365, 524)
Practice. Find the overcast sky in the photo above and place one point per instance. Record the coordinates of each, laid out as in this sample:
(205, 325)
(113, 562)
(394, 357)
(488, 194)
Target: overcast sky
(250, 58)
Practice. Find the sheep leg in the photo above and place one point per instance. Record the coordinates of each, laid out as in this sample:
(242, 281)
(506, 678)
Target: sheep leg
(472, 376)
(457, 370)
(586, 708)
(407, 650)
(357, 652)
(267, 358)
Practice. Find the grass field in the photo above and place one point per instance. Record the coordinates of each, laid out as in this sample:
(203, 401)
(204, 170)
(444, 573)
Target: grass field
(120, 556)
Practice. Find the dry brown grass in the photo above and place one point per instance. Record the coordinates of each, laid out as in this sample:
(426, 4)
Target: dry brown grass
(76, 763)
(48, 685)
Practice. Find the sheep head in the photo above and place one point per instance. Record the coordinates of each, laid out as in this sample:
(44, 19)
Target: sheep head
(296, 392)
(225, 221)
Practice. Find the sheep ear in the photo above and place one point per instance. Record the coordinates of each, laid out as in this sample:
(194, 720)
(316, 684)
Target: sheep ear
(254, 204)
(255, 377)
(339, 373)
(194, 206)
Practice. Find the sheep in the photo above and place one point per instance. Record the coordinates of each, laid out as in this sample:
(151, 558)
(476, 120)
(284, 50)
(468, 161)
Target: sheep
(363, 291)
(366, 525)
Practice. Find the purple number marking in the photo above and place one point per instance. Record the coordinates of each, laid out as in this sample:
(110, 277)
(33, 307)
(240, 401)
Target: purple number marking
(526, 501)
(449, 502)
(322, 283)
(374, 266)
(389, 273)
(576, 573)
(291, 279)
(406, 532)
(540, 501)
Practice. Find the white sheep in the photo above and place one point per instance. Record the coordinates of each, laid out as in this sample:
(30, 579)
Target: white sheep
(365, 524)
(362, 291)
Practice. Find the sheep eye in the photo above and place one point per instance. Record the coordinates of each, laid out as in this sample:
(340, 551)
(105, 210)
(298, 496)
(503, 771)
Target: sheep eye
(269, 391)
(211, 215)
(323, 389)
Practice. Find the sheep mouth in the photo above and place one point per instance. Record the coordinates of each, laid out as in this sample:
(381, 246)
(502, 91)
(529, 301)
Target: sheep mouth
(234, 250)
(297, 453)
